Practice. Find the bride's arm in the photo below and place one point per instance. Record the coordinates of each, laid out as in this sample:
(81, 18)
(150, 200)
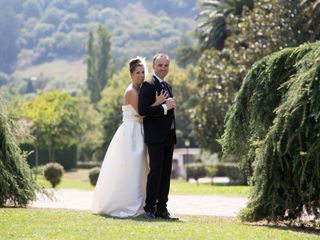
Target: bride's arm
(161, 98)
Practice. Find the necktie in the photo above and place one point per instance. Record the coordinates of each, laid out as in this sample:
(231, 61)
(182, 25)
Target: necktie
(165, 88)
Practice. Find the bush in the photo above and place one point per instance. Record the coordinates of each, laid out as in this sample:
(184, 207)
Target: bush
(88, 165)
(39, 170)
(211, 171)
(196, 171)
(232, 171)
(234, 174)
(53, 173)
(94, 175)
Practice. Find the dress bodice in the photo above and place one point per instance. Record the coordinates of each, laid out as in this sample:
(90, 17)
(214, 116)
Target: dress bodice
(129, 113)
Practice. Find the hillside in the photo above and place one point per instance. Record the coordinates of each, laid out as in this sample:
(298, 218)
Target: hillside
(38, 31)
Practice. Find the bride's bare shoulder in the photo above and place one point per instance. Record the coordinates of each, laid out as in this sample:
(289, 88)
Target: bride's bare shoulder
(130, 91)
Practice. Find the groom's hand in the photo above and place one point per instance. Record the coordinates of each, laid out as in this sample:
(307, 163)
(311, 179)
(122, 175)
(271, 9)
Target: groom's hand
(170, 103)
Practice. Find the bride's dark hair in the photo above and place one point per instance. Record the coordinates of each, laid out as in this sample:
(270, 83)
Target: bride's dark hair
(134, 63)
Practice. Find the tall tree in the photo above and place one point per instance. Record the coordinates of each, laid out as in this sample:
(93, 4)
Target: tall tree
(99, 62)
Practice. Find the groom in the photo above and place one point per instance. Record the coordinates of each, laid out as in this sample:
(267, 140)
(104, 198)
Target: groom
(160, 137)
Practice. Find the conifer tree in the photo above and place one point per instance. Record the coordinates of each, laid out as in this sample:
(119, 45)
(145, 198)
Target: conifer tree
(98, 60)
(273, 128)
(17, 186)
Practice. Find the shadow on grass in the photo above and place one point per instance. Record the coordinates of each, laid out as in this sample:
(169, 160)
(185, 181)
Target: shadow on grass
(314, 230)
(141, 218)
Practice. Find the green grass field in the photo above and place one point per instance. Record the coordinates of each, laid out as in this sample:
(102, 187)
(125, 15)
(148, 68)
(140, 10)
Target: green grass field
(79, 180)
(60, 224)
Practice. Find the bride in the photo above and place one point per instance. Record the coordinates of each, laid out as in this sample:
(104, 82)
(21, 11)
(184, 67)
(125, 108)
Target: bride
(121, 186)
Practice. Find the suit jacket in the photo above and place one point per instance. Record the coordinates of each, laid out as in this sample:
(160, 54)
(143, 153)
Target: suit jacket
(156, 125)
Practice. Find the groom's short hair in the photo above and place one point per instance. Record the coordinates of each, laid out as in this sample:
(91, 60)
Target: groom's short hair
(158, 55)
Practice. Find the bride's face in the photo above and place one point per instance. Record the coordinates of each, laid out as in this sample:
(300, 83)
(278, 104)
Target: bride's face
(138, 76)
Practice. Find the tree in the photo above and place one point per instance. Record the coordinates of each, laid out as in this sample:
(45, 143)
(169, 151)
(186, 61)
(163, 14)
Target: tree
(9, 28)
(312, 10)
(56, 120)
(273, 128)
(110, 106)
(18, 187)
(212, 27)
(99, 62)
(183, 81)
(32, 8)
(265, 29)
(92, 137)
(79, 6)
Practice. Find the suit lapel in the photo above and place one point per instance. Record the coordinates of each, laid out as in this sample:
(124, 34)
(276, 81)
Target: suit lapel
(158, 84)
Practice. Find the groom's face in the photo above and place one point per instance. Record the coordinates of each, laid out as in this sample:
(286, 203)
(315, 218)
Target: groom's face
(161, 66)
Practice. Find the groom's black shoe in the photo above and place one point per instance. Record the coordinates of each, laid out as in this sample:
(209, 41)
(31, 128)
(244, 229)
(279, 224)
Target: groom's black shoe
(165, 215)
(149, 215)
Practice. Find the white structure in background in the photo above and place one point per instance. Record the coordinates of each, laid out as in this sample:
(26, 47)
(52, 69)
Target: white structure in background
(182, 156)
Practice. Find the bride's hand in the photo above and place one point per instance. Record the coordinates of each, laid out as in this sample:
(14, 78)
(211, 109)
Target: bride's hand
(161, 98)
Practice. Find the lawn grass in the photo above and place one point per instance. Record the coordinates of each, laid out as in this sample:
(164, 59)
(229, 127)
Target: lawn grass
(61, 224)
(72, 179)
(79, 180)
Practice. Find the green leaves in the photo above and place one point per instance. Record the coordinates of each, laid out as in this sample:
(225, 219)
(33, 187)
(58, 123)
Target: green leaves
(56, 119)
(17, 185)
(279, 95)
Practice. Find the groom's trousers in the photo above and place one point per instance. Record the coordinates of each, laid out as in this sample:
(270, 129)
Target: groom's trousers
(158, 184)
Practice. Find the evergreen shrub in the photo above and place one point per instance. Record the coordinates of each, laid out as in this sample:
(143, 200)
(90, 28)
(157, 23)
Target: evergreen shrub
(273, 127)
(53, 172)
(94, 175)
(17, 184)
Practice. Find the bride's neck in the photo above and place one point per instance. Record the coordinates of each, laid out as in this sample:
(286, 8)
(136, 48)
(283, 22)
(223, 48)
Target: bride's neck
(136, 87)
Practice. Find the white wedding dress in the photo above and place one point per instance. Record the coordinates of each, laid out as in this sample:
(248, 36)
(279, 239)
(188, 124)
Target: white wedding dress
(121, 187)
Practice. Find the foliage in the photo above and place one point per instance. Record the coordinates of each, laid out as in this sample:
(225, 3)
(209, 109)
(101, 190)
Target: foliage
(110, 107)
(4, 78)
(9, 28)
(98, 58)
(53, 172)
(312, 10)
(59, 29)
(186, 54)
(211, 171)
(56, 120)
(196, 171)
(270, 26)
(91, 138)
(273, 128)
(185, 93)
(212, 28)
(17, 184)
(94, 175)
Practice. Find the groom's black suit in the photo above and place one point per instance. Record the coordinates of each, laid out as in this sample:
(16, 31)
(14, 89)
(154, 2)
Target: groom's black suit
(160, 137)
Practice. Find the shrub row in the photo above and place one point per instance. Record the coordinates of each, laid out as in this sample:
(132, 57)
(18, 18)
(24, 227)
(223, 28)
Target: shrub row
(199, 170)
